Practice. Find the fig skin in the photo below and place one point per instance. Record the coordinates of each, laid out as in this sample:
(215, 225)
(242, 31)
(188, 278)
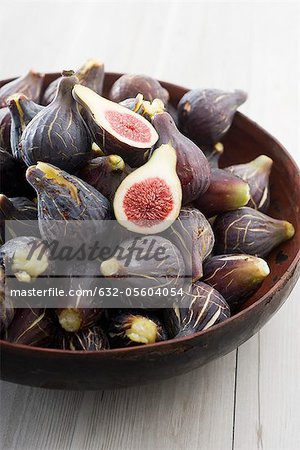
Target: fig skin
(20, 209)
(128, 86)
(12, 177)
(135, 327)
(105, 174)
(88, 339)
(22, 111)
(213, 154)
(226, 192)
(193, 236)
(31, 326)
(146, 268)
(256, 173)
(7, 310)
(116, 137)
(205, 115)
(192, 167)
(236, 277)
(91, 74)
(30, 85)
(246, 230)
(5, 127)
(64, 197)
(200, 307)
(58, 134)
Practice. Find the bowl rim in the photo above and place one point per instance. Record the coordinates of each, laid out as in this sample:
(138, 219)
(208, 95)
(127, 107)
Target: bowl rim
(185, 339)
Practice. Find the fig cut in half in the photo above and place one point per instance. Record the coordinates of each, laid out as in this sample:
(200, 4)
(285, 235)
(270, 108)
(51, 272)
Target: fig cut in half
(116, 129)
(149, 199)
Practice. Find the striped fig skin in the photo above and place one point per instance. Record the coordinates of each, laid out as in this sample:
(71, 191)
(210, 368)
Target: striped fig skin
(58, 134)
(64, 197)
(205, 115)
(31, 326)
(246, 230)
(235, 277)
(129, 85)
(29, 85)
(200, 307)
(17, 208)
(7, 310)
(226, 192)
(88, 339)
(193, 236)
(256, 173)
(192, 167)
(22, 111)
(91, 74)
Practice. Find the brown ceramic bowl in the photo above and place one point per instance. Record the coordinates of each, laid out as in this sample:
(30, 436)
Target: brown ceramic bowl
(62, 369)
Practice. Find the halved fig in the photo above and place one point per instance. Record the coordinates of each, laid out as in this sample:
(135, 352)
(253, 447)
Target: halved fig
(116, 129)
(149, 199)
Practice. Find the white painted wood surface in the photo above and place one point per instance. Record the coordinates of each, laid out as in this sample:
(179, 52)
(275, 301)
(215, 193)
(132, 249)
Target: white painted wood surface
(244, 401)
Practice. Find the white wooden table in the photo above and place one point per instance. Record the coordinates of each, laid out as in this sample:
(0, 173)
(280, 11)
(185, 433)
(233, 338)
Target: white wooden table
(250, 399)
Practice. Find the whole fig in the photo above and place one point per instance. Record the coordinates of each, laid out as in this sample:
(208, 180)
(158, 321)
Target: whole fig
(128, 86)
(29, 85)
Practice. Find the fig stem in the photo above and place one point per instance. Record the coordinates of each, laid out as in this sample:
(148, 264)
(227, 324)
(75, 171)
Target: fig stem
(116, 162)
(142, 330)
(111, 267)
(70, 319)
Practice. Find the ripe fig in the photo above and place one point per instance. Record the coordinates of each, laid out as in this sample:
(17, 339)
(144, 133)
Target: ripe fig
(12, 177)
(226, 192)
(29, 85)
(31, 326)
(58, 134)
(152, 265)
(256, 173)
(236, 277)
(7, 310)
(149, 199)
(192, 166)
(105, 174)
(193, 236)
(128, 86)
(5, 127)
(246, 230)
(135, 327)
(88, 339)
(64, 197)
(205, 115)
(22, 111)
(213, 154)
(116, 129)
(26, 258)
(200, 308)
(91, 74)
(144, 107)
(20, 209)
(73, 320)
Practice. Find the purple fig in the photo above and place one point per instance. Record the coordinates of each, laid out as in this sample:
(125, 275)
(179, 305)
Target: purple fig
(246, 230)
(192, 166)
(5, 127)
(7, 309)
(235, 277)
(20, 209)
(256, 173)
(31, 326)
(205, 115)
(128, 86)
(225, 192)
(29, 85)
(88, 339)
(213, 153)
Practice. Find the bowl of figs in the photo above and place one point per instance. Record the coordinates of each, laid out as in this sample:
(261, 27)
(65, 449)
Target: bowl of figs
(146, 229)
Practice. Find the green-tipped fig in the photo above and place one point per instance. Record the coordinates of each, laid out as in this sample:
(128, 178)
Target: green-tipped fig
(91, 74)
(128, 86)
(73, 320)
(63, 197)
(200, 307)
(193, 236)
(26, 258)
(226, 192)
(149, 199)
(246, 230)
(5, 127)
(12, 177)
(29, 85)
(58, 134)
(22, 111)
(105, 174)
(7, 309)
(213, 154)
(31, 326)
(256, 173)
(236, 277)
(135, 327)
(116, 129)
(20, 209)
(205, 115)
(88, 339)
(192, 166)
(152, 265)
